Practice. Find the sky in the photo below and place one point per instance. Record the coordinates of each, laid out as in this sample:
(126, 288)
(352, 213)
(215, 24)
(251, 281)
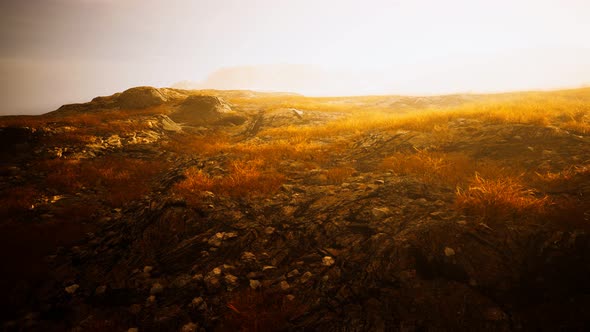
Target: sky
(54, 52)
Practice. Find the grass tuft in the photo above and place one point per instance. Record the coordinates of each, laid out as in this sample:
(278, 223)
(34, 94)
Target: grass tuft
(500, 200)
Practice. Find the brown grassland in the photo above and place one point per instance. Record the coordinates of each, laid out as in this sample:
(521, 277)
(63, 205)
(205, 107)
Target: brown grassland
(486, 190)
(260, 166)
(490, 189)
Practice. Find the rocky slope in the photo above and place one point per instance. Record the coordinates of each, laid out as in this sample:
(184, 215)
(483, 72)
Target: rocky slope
(375, 249)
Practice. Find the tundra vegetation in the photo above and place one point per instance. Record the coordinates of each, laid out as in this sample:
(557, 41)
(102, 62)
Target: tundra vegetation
(376, 165)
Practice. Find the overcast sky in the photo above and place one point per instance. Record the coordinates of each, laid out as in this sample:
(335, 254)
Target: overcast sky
(54, 52)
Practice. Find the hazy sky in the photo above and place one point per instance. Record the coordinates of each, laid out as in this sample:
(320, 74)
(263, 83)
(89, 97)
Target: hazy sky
(60, 51)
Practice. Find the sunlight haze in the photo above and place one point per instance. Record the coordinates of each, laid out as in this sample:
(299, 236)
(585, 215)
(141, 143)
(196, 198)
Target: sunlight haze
(61, 51)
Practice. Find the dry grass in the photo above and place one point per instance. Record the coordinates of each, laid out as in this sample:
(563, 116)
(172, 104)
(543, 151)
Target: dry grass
(253, 311)
(569, 109)
(338, 175)
(568, 180)
(501, 199)
(15, 201)
(244, 179)
(273, 151)
(434, 167)
(121, 179)
(260, 164)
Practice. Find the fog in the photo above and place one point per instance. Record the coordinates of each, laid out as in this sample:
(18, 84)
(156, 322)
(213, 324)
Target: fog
(62, 51)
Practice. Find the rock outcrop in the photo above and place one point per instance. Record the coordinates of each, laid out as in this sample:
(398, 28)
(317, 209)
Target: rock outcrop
(201, 110)
(141, 97)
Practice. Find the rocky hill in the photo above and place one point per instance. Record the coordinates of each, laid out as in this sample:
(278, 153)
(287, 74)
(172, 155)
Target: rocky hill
(203, 210)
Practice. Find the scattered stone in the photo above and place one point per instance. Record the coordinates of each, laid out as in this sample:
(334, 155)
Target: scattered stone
(328, 261)
(269, 230)
(379, 182)
(290, 297)
(181, 281)
(133, 329)
(230, 235)
(421, 201)
(268, 267)
(231, 281)
(157, 288)
(437, 214)
(298, 113)
(381, 212)
(255, 275)
(227, 267)
(305, 277)
(189, 327)
(449, 252)
(284, 285)
(217, 239)
(407, 275)
(100, 290)
(485, 226)
(151, 300)
(293, 273)
(168, 124)
(212, 283)
(72, 289)
(255, 284)
(495, 314)
(198, 303)
(148, 269)
(248, 256)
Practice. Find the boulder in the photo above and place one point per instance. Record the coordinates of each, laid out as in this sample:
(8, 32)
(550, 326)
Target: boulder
(203, 110)
(141, 97)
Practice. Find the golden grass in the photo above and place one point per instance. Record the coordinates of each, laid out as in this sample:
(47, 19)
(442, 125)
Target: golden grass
(122, 179)
(569, 179)
(244, 179)
(338, 175)
(440, 167)
(500, 199)
(260, 164)
(569, 109)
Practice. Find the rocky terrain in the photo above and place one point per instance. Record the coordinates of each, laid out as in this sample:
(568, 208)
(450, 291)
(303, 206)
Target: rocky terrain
(176, 210)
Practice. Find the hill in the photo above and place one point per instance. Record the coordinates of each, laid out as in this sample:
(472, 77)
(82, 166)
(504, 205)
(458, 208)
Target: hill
(169, 209)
